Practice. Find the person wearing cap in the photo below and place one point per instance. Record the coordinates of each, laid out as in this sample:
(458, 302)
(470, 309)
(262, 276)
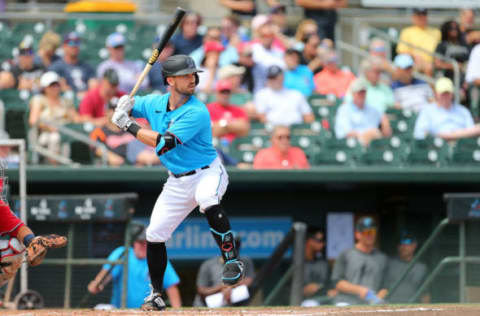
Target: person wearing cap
(79, 75)
(359, 273)
(265, 52)
(25, 73)
(138, 278)
(409, 92)
(332, 79)
(324, 13)
(379, 95)
(443, 117)
(209, 66)
(47, 48)
(50, 106)
(360, 120)
(281, 155)
(209, 279)
(277, 105)
(245, 60)
(310, 55)
(421, 36)
(94, 104)
(228, 121)
(377, 50)
(188, 38)
(228, 53)
(407, 245)
(128, 70)
(297, 77)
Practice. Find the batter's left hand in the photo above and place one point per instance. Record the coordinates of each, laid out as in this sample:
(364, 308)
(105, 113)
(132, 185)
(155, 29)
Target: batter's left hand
(121, 119)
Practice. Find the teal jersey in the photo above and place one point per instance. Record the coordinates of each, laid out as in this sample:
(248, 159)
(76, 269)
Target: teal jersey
(191, 126)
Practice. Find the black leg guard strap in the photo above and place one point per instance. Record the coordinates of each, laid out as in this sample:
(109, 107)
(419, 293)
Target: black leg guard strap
(157, 263)
(220, 228)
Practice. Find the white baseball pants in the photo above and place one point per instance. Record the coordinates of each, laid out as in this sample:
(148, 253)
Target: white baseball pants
(181, 195)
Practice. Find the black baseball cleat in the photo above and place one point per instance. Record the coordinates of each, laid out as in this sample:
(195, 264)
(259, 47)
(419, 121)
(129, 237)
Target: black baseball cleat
(233, 272)
(153, 302)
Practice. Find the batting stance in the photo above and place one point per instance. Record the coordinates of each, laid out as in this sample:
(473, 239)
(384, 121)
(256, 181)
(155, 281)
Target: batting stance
(182, 135)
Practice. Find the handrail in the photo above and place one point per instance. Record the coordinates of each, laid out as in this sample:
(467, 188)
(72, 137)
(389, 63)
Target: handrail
(456, 67)
(359, 51)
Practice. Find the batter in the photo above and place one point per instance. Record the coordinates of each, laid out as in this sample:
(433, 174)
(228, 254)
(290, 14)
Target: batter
(182, 136)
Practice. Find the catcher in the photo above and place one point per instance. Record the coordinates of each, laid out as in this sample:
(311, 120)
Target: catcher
(22, 240)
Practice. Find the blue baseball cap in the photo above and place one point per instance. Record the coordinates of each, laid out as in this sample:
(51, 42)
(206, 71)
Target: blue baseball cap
(406, 238)
(365, 223)
(72, 39)
(403, 61)
(115, 40)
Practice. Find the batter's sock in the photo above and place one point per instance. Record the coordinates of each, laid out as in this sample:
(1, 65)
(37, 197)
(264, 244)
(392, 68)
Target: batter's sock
(157, 263)
(220, 228)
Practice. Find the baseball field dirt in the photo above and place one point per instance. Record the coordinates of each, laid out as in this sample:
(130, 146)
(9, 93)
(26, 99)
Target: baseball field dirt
(413, 310)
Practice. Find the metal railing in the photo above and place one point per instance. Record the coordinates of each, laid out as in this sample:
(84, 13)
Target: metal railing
(456, 67)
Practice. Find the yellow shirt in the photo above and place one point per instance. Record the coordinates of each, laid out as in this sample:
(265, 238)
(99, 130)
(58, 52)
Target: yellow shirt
(427, 39)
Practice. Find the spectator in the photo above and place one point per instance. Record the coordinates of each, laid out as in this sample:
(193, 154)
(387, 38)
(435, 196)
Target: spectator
(397, 265)
(94, 105)
(245, 60)
(297, 77)
(209, 66)
(280, 106)
(410, 93)
(240, 96)
(47, 48)
(378, 52)
(50, 106)
(310, 54)
(333, 80)
(188, 39)
(467, 23)
(379, 95)
(472, 78)
(209, 278)
(451, 46)
(360, 120)
(278, 14)
(359, 272)
(443, 118)
(245, 8)
(306, 28)
(128, 70)
(324, 13)
(265, 53)
(25, 73)
(419, 35)
(228, 55)
(123, 148)
(231, 34)
(316, 273)
(79, 75)
(228, 121)
(281, 155)
(155, 76)
(138, 277)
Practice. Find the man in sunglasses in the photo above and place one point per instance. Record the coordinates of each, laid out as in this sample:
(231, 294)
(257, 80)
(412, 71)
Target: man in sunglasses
(359, 272)
(407, 245)
(281, 155)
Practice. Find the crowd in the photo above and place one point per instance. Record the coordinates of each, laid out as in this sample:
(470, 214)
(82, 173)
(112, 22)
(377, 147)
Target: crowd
(258, 71)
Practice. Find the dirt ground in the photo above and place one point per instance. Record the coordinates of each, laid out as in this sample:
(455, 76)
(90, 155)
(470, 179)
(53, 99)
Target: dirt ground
(413, 310)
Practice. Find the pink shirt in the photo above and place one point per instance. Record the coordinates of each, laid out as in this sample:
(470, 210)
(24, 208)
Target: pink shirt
(93, 103)
(337, 83)
(228, 113)
(271, 158)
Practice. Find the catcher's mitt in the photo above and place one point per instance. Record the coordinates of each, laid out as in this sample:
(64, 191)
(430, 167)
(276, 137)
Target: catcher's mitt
(37, 249)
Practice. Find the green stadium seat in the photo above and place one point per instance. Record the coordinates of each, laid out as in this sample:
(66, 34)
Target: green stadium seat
(394, 143)
(383, 157)
(13, 98)
(320, 100)
(395, 114)
(403, 128)
(349, 145)
(468, 143)
(314, 128)
(305, 141)
(469, 157)
(430, 157)
(79, 151)
(332, 157)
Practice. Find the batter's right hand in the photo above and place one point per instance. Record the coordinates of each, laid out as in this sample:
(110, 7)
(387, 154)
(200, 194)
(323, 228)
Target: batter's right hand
(125, 103)
(94, 287)
(121, 119)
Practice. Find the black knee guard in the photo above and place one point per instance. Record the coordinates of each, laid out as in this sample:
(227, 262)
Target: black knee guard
(220, 228)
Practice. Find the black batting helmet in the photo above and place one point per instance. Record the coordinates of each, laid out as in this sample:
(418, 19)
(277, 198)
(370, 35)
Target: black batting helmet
(179, 65)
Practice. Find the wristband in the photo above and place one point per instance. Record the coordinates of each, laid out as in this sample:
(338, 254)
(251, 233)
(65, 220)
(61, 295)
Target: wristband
(28, 239)
(133, 129)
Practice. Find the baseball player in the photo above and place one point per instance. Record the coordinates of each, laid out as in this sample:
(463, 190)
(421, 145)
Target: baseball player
(182, 136)
(36, 247)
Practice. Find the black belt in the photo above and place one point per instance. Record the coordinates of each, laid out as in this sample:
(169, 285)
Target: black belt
(188, 173)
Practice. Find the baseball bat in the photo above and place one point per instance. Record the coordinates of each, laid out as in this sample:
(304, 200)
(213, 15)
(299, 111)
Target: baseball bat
(179, 13)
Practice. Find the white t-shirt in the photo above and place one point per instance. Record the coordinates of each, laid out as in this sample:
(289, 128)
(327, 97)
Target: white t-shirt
(473, 67)
(282, 107)
(264, 58)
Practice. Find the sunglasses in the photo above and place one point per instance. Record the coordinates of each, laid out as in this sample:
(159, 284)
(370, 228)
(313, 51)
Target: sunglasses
(283, 137)
(319, 240)
(225, 91)
(369, 232)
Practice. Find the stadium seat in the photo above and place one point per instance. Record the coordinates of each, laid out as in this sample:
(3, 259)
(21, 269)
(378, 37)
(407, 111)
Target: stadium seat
(305, 141)
(332, 157)
(466, 157)
(394, 143)
(431, 157)
(319, 100)
(383, 157)
(314, 128)
(348, 145)
(403, 128)
(79, 151)
(468, 143)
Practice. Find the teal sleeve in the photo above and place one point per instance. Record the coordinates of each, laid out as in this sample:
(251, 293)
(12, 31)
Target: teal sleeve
(115, 255)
